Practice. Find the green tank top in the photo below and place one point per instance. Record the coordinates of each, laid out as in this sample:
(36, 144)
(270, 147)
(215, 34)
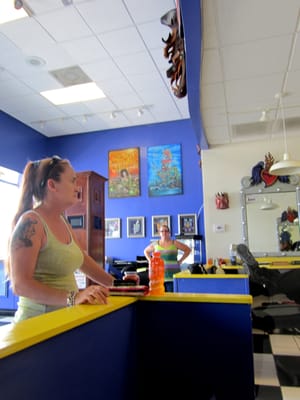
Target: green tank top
(55, 267)
(169, 255)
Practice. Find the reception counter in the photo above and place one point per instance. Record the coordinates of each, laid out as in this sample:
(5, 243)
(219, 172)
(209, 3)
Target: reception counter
(185, 282)
(284, 263)
(174, 346)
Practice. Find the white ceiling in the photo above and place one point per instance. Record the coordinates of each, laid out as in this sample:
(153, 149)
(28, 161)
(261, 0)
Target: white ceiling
(117, 43)
(250, 53)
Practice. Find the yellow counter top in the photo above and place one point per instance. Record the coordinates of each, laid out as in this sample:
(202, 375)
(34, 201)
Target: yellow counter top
(279, 262)
(186, 274)
(16, 337)
(202, 297)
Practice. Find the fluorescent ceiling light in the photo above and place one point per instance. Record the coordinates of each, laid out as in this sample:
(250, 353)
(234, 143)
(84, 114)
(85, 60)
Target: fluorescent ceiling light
(74, 94)
(8, 12)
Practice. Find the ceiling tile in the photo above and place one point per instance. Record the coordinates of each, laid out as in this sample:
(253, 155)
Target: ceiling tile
(104, 16)
(254, 93)
(211, 70)
(55, 24)
(26, 33)
(129, 43)
(243, 21)
(117, 44)
(102, 70)
(143, 11)
(256, 58)
(85, 50)
(140, 63)
(212, 95)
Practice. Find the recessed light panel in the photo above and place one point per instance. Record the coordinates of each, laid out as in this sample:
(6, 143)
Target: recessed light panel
(74, 94)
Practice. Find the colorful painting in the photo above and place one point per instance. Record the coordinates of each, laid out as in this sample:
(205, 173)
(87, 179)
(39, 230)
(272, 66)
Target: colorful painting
(187, 224)
(164, 170)
(124, 173)
(158, 221)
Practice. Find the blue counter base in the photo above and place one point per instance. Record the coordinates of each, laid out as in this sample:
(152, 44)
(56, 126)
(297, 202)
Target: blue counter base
(97, 357)
(148, 349)
(193, 352)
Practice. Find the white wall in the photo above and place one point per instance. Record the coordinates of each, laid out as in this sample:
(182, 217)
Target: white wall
(223, 168)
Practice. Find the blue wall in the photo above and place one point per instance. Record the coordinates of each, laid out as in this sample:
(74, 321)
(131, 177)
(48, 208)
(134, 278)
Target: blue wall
(90, 152)
(19, 143)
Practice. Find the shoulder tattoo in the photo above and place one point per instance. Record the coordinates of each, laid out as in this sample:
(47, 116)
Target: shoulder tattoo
(23, 234)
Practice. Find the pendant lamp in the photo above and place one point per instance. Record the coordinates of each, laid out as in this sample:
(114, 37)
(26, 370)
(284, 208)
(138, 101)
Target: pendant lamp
(268, 204)
(285, 166)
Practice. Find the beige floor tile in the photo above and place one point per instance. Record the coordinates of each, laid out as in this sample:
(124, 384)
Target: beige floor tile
(265, 370)
(290, 393)
(285, 345)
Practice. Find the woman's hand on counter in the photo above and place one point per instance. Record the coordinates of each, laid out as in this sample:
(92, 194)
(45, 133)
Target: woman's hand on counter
(94, 294)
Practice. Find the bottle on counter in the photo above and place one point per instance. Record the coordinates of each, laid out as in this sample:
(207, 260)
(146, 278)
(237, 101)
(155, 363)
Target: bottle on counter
(219, 270)
(156, 275)
(232, 254)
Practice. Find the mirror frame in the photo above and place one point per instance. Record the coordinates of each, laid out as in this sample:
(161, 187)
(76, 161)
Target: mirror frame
(248, 188)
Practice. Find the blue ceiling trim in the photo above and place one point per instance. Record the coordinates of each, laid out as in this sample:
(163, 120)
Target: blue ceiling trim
(191, 19)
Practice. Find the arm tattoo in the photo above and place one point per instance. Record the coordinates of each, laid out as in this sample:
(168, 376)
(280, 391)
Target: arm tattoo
(23, 234)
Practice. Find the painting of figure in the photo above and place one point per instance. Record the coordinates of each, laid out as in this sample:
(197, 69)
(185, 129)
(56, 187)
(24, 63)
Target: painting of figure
(164, 170)
(123, 173)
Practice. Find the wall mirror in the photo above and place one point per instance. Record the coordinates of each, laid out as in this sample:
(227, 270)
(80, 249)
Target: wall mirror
(264, 210)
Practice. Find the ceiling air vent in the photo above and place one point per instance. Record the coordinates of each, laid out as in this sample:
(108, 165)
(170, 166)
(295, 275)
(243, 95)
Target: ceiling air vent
(70, 76)
(262, 130)
(250, 130)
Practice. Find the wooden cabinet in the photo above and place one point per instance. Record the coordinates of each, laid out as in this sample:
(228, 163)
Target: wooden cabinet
(87, 218)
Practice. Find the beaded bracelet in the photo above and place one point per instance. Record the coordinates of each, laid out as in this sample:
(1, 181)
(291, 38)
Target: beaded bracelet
(71, 298)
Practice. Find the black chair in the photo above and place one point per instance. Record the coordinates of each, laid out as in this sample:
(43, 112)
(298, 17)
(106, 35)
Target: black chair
(296, 246)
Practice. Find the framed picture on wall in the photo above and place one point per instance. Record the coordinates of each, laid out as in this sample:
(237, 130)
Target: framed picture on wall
(187, 224)
(164, 170)
(135, 227)
(112, 228)
(124, 173)
(158, 221)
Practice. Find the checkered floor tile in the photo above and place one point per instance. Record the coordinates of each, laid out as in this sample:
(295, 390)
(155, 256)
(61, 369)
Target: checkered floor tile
(277, 366)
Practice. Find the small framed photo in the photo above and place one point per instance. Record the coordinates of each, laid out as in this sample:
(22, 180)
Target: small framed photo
(158, 221)
(187, 224)
(135, 227)
(112, 228)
